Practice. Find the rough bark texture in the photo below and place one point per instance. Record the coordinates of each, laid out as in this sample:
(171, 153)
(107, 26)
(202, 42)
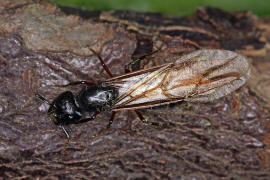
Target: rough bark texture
(42, 45)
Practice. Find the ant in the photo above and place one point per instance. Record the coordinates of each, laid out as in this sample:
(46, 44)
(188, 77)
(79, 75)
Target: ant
(93, 98)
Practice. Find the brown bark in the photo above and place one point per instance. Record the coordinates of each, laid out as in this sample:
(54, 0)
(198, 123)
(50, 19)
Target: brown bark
(42, 45)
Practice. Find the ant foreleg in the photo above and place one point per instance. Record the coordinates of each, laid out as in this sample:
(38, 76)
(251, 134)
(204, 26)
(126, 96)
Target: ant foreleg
(93, 117)
(65, 131)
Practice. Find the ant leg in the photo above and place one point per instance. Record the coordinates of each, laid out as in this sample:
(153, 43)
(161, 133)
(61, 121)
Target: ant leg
(143, 120)
(106, 68)
(102, 63)
(107, 127)
(65, 131)
(93, 117)
(138, 59)
(147, 55)
(111, 120)
(81, 121)
(140, 116)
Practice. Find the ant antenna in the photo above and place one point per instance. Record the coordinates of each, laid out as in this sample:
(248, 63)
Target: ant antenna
(42, 98)
(28, 102)
(65, 131)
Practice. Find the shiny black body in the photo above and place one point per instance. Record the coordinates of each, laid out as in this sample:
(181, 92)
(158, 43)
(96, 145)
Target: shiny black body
(92, 99)
(68, 109)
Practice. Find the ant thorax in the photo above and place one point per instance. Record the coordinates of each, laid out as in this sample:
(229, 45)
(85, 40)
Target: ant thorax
(96, 98)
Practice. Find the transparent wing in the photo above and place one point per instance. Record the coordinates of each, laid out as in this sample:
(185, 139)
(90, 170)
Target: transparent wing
(203, 76)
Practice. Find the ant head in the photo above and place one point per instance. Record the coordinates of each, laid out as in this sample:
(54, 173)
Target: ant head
(63, 110)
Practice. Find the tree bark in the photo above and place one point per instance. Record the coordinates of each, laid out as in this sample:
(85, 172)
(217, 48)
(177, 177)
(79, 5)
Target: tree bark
(42, 45)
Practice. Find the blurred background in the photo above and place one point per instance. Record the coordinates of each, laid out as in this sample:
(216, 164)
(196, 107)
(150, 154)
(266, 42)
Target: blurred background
(170, 7)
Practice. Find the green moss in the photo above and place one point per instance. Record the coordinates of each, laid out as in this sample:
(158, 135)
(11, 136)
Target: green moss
(173, 7)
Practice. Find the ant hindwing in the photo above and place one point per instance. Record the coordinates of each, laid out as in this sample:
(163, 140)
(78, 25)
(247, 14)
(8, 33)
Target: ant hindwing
(201, 76)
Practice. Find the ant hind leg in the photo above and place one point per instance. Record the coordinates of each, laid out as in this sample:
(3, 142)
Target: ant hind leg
(111, 120)
(133, 61)
(145, 121)
(107, 127)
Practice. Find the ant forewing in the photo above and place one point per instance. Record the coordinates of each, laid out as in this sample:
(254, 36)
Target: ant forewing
(202, 76)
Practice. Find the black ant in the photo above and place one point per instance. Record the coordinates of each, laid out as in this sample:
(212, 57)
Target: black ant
(93, 98)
